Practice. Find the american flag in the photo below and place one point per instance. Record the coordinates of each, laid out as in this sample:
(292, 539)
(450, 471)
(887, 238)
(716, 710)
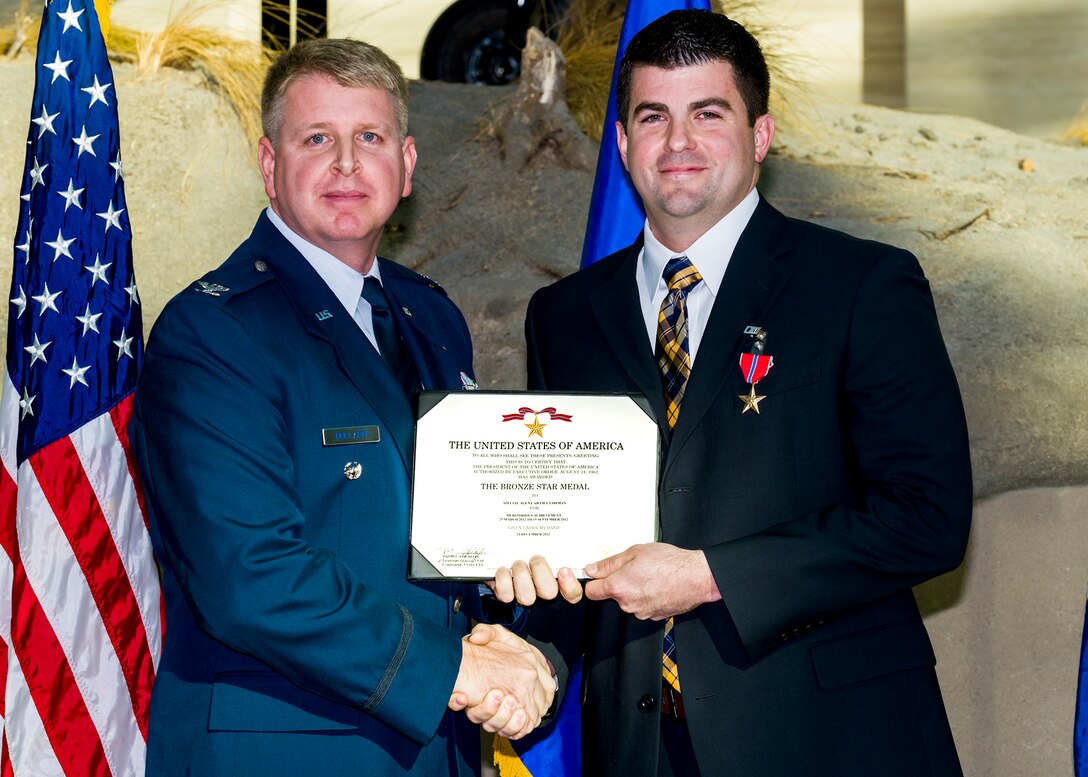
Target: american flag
(80, 611)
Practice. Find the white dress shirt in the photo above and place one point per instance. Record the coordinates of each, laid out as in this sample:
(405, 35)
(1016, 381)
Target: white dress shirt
(709, 254)
(346, 283)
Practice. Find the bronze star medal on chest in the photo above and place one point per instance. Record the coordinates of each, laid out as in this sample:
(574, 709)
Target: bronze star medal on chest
(754, 366)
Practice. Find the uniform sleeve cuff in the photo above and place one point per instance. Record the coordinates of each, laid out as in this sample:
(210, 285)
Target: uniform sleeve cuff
(420, 683)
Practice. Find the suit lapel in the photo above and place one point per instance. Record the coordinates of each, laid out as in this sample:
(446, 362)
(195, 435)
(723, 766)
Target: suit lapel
(618, 310)
(751, 284)
(322, 315)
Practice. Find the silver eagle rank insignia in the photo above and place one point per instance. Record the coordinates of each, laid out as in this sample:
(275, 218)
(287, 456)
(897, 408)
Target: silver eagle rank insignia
(214, 289)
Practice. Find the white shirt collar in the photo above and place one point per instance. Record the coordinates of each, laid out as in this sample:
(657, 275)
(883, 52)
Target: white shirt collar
(346, 283)
(710, 253)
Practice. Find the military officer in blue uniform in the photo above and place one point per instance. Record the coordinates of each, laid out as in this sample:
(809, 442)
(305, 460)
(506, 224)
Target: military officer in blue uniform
(273, 434)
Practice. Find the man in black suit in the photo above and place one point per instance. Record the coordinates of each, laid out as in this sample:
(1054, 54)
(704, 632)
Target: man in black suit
(815, 463)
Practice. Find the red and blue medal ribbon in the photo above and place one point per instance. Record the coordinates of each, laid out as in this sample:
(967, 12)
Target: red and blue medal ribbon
(755, 366)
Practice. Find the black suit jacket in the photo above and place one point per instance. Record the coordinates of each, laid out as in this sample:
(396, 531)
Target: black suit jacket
(817, 515)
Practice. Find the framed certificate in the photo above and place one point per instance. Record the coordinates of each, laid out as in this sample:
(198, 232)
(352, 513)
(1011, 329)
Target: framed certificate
(502, 476)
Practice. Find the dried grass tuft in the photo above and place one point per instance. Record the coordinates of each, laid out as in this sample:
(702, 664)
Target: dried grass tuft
(590, 34)
(1077, 131)
(588, 37)
(233, 68)
(789, 90)
(23, 30)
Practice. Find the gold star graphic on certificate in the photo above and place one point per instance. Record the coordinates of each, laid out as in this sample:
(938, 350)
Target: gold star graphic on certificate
(751, 400)
(536, 427)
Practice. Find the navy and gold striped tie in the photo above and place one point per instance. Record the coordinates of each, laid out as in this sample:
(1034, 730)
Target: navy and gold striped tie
(673, 354)
(674, 361)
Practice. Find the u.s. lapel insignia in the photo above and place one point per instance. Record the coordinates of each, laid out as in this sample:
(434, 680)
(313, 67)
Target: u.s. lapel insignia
(468, 384)
(213, 289)
(323, 315)
(754, 366)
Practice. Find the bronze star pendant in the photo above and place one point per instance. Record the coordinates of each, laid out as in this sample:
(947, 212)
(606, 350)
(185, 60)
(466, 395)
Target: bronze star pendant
(536, 428)
(751, 400)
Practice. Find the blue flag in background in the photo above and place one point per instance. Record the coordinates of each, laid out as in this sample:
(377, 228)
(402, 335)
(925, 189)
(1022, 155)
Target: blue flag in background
(615, 210)
(1080, 725)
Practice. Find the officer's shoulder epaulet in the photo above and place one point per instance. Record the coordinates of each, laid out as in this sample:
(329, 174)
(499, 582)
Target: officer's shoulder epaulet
(412, 275)
(240, 273)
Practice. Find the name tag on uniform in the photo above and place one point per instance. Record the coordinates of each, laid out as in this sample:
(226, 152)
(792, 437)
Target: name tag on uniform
(350, 435)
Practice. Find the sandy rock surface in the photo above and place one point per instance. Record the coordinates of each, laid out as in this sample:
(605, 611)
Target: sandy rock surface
(1006, 251)
(997, 220)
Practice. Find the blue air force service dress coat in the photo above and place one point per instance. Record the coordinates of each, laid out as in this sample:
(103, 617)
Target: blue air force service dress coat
(294, 643)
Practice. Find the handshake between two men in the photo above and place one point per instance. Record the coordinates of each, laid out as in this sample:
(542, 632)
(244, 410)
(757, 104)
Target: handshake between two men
(507, 685)
(504, 684)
